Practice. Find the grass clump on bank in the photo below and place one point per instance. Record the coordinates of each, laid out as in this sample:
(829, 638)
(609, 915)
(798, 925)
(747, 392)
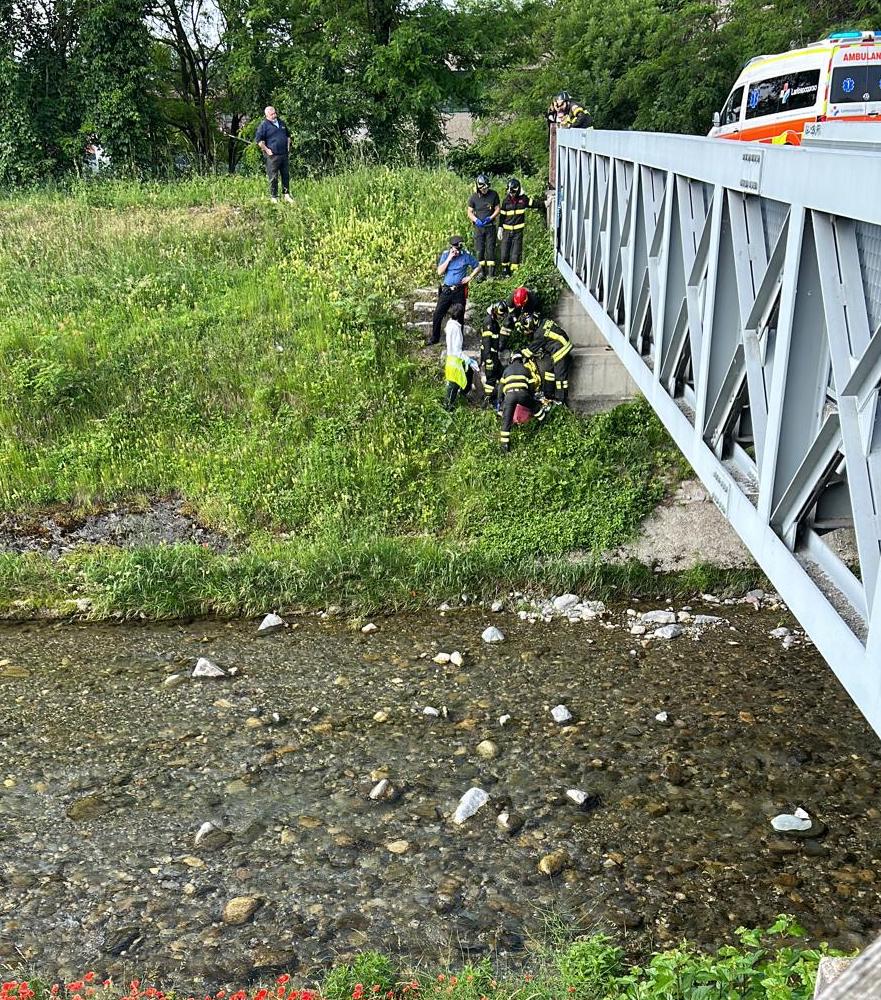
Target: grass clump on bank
(766, 964)
(195, 340)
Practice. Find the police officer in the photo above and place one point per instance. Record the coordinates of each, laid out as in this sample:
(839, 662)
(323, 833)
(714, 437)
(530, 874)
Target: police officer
(483, 210)
(519, 385)
(566, 113)
(513, 217)
(492, 339)
(456, 267)
(548, 340)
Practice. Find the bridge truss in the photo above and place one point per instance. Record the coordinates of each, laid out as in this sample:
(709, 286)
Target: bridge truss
(740, 285)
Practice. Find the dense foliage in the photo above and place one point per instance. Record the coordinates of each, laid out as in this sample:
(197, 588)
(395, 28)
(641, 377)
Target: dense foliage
(170, 86)
(193, 339)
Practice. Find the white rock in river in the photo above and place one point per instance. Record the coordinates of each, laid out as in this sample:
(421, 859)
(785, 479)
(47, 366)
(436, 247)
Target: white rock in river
(667, 632)
(792, 822)
(487, 749)
(779, 633)
(205, 668)
(565, 602)
(471, 801)
(271, 623)
(369, 627)
(204, 831)
(706, 620)
(456, 658)
(492, 634)
(497, 606)
(441, 658)
(576, 795)
(658, 617)
(560, 713)
(504, 719)
(661, 717)
(379, 789)
(430, 710)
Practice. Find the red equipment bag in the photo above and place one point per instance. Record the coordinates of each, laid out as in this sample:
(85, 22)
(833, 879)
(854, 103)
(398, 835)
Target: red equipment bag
(521, 414)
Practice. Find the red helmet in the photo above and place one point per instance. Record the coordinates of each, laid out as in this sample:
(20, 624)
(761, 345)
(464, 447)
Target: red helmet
(520, 296)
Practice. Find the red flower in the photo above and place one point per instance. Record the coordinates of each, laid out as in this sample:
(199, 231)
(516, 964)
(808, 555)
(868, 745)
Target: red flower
(283, 978)
(358, 991)
(78, 985)
(89, 976)
(260, 995)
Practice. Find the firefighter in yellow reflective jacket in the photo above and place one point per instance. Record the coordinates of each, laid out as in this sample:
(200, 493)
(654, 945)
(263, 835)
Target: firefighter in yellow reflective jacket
(493, 338)
(513, 219)
(566, 113)
(520, 385)
(549, 341)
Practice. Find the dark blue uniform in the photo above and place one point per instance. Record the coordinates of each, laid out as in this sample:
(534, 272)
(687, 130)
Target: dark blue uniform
(275, 135)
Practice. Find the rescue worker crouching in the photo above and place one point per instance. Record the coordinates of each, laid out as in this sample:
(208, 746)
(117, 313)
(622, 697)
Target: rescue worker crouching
(483, 211)
(512, 215)
(549, 341)
(492, 341)
(521, 303)
(520, 385)
(564, 112)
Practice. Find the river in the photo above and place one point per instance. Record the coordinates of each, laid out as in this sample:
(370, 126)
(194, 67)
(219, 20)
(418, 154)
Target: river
(113, 757)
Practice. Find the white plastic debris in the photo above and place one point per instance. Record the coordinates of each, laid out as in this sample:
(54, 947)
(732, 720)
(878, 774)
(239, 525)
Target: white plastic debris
(271, 623)
(471, 801)
(205, 668)
(504, 719)
(492, 634)
(560, 713)
(796, 822)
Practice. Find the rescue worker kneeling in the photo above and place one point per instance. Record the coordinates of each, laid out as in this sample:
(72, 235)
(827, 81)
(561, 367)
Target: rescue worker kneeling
(520, 385)
(458, 368)
(549, 341)
(493, 338)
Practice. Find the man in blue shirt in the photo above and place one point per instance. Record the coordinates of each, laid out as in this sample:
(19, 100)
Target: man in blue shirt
(456, 267)
(274, 140)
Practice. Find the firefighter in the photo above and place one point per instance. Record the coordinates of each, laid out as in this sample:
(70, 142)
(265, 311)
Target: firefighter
(521, 302)
(483, 211)
(549, 341)
(566, 113)
(520, 385)
(492, 342)
(513, 219)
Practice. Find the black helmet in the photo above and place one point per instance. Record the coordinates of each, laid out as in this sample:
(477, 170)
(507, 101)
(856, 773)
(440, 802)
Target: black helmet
(564, 97)
(482, 181)
(529, 322)
(516, 356)
(513, 186)
(498, 309)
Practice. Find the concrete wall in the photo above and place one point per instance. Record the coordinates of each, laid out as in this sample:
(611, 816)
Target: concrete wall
(598, 380)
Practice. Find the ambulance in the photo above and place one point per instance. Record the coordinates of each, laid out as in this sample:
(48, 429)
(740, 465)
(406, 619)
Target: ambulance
(835, 79)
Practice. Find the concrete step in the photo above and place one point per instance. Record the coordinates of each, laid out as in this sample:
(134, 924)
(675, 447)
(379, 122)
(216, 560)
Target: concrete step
(597, 373)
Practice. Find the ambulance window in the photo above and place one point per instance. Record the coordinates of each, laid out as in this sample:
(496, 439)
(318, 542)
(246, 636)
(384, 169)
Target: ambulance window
(851, 84)
(731, 111)
(783, 93)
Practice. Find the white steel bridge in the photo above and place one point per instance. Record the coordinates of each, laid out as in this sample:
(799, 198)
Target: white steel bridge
(740, 285)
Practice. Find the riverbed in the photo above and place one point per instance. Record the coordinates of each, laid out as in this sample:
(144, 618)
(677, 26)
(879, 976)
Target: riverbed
(112, 758)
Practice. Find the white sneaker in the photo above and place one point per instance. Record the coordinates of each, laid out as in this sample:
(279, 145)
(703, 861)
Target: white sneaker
(273, 199)
(287, 197)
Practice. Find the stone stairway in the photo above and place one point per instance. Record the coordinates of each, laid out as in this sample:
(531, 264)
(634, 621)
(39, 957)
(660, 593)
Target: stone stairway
(418, 308)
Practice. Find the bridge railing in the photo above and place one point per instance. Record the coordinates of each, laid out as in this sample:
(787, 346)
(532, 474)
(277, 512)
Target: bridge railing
(740, 284)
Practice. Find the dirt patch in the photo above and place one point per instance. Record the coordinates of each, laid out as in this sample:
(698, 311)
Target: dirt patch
(60, 530)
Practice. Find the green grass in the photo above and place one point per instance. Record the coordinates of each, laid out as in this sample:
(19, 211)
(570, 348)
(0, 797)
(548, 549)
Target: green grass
(193, 339)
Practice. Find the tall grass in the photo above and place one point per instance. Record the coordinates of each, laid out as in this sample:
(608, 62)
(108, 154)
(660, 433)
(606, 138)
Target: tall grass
(192, 338)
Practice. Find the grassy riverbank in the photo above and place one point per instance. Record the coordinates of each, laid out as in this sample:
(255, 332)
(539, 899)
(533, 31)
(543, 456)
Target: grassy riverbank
(193, 340)
(765, 965)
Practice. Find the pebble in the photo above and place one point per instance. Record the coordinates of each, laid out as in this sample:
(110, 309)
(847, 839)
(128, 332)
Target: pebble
(661, 717)
(471, 801)
(487, 750)
(497, 606)
(779, 633)
(792, 822)
(430, 710)
(554, 863)
(369, 627)
(509, 822)
(173, 680)
(381, 716)
(560, 713)
(504, 720)
(207, 668)
(457, 659)
(565, 602)
(210, 837)
(492, 634)
(667, 632)
(441, 658)
(398, 846)
(577, 796)
(379, 789)
(271, 623)
(241, 909)
(658, 617)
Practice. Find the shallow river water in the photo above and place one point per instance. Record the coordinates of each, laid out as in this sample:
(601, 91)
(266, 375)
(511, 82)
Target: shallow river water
(108, 770)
